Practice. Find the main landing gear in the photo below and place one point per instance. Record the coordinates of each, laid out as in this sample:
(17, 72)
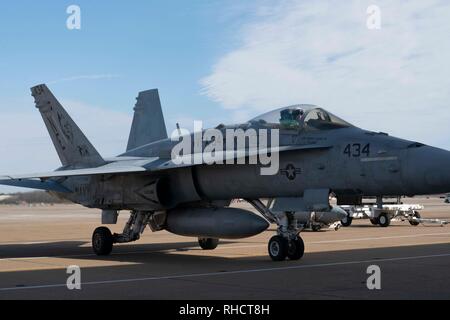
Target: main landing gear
(103, 240)
(287, 244)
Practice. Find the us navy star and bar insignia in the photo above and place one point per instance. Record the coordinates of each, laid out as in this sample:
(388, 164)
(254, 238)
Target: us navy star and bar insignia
(290, 172)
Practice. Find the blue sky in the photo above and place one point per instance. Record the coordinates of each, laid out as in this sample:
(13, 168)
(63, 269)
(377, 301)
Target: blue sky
(96, 72)
(221, 61)
(165, 44)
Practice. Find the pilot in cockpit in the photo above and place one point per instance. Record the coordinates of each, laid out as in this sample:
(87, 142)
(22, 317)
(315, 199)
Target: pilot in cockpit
(291, 118)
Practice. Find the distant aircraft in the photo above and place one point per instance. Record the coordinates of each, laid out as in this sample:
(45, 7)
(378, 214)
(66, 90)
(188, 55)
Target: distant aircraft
(318, 154)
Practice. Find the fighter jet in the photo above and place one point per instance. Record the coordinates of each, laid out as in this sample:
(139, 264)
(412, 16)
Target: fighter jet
(312, 154)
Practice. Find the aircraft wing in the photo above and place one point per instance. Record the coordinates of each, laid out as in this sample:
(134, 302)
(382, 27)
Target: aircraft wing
(136, 166)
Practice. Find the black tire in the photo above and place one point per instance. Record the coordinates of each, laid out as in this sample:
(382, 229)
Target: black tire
(102, 241)
(278, 248)
(296, 249)
(383, 220)
(413, 222)
(347, 222)
(208, 243)
(374, 221)
(316, 228)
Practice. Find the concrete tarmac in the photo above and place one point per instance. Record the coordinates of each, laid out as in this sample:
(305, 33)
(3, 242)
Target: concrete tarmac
(37, 244)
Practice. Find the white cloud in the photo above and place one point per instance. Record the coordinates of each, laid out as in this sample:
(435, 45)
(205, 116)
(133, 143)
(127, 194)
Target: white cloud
(396, 79)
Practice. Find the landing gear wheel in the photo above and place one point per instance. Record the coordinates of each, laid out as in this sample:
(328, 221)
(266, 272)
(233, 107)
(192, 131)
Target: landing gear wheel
(383, 220)
(278, 248)
(374, 221)
(296, 249)
(208, 243)
(413, 222)
(102, 241)
(315, 228)
(347, 221)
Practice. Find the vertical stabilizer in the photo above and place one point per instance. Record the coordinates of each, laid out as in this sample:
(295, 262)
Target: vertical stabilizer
(73, 148)
(148, 122)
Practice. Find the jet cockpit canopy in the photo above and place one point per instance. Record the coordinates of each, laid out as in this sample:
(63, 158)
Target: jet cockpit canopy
(308, 117)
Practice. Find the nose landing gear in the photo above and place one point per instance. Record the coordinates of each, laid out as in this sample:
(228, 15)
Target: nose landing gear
(287, 243)
(281, 248)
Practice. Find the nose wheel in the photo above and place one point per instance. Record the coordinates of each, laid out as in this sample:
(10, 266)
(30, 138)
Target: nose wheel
(296, 249)
(281, 248)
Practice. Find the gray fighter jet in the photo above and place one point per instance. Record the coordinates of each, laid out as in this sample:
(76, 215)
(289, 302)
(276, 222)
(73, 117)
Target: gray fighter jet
(317, 154)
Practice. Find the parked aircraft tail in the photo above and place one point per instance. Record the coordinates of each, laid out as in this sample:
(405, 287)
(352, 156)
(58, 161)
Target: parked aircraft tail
(148, 122)
(73, 148)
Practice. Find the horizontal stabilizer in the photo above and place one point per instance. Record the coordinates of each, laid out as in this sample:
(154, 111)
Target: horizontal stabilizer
(36, 184)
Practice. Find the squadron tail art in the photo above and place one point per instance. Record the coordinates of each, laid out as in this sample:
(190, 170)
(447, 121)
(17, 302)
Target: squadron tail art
(318, 154)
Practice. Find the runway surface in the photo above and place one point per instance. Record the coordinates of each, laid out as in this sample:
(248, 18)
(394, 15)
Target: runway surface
(37, 244)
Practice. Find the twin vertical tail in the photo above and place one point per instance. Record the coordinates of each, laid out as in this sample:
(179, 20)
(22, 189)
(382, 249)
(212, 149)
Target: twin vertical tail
(148, 122)
(72, 146)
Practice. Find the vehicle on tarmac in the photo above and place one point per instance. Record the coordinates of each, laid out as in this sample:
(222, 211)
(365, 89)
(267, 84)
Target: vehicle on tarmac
(383, 216)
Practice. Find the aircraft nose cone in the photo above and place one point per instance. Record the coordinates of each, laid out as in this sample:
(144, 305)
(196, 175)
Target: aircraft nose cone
(428, 171)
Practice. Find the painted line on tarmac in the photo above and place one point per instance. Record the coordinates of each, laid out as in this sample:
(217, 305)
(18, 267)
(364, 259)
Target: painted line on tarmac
(237, 272)
(383, 238)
